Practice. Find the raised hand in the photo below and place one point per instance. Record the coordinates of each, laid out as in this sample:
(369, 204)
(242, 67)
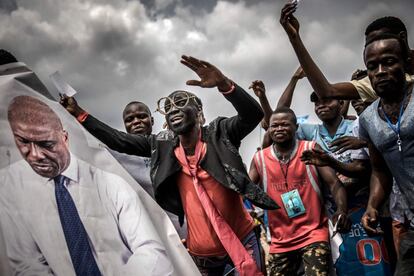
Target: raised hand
(316, 157)
(288, 21)
(71, 105)
(347, 143)
(209, 75)
(299, 74)
(258, 88)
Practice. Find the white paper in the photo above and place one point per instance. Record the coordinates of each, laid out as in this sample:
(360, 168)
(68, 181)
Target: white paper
(62, 86)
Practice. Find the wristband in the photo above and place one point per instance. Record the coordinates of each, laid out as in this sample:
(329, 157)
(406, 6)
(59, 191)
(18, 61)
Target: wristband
(82, 117)
(231, 89)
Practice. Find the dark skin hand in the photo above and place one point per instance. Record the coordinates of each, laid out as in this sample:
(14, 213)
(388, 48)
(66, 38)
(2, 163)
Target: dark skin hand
(320, 158)
(285, 100)
(260, 92)
(380, 187)
(209, 75)
(344, 223)
(345, 143)
(316, 157)
(320, 84)
(71, 105)
(288, 21)
(258, 88)
(287, 95)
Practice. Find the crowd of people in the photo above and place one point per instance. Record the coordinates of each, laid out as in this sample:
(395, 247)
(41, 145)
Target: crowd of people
(334, 197)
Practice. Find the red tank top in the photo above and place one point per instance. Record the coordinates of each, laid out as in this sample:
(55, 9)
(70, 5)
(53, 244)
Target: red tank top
(292, 233)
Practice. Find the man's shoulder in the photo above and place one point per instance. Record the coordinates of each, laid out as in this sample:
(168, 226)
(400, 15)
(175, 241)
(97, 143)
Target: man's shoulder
(164, 135)
(364, 89)
(213, 125)
(309, 126)
(369, 113)
(307, 131)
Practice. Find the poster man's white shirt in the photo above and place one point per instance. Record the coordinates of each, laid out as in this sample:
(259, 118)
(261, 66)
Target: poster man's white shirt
(153, 225)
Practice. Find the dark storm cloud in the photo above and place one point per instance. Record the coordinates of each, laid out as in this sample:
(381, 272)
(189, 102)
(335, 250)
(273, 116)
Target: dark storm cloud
(8, 6)
(115, 51)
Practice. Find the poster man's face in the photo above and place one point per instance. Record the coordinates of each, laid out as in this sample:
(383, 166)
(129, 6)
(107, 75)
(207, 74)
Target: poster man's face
(43, 147)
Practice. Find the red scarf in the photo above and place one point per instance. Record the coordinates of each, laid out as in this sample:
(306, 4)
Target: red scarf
(242, 260)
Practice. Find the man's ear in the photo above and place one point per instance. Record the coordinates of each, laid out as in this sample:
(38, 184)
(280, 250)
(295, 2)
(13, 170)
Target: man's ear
(201, 118)
(152, 120)
(403, 35)
(65, 136)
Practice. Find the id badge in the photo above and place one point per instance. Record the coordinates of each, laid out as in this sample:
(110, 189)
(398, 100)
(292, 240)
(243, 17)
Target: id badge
(293, 203)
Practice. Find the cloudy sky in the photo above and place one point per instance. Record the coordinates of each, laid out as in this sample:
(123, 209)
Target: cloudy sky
(116, 51)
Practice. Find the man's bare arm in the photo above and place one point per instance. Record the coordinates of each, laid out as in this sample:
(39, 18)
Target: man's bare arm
(380, 187)
(253, 174)
(320, 158)
(320, 84)
(286, 97)
(340, 197)
(260, 91)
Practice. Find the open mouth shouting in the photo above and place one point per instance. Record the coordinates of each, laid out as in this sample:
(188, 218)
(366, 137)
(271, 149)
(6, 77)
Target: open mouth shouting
(176, 119)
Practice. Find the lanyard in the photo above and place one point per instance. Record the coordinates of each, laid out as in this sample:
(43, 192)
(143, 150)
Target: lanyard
(285, 172)
(396, 129)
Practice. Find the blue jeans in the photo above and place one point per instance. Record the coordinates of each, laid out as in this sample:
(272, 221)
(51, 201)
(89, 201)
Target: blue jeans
(222, 265)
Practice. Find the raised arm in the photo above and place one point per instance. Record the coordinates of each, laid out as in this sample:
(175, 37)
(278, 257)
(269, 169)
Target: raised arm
(286, 98)
(249, 111)
(134, 144)
(260, 91)
(320, 84)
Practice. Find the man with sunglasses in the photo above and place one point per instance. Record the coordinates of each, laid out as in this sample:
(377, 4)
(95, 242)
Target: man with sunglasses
(199, 172)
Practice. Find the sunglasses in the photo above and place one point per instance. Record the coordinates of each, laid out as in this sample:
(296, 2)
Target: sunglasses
(180, 100)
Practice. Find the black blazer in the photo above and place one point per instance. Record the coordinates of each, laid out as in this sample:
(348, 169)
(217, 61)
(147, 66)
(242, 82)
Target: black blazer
(222, 160)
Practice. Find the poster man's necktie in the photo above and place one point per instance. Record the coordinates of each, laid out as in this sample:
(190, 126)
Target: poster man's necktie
(75, 233)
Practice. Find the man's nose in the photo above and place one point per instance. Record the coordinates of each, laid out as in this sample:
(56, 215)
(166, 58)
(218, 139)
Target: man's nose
(173, 110)
(35, 152)
(380, 69)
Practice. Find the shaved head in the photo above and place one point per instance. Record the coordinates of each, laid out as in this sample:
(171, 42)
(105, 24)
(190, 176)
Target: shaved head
(39, 136)
(31, 111)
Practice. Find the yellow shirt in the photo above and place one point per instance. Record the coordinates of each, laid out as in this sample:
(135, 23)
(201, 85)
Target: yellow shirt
(367, 93)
